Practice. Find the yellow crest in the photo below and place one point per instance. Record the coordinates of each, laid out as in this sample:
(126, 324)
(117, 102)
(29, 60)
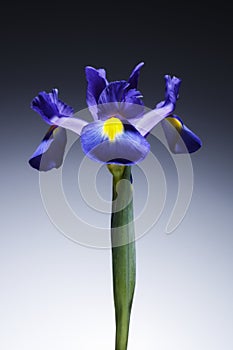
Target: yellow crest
(112, 127)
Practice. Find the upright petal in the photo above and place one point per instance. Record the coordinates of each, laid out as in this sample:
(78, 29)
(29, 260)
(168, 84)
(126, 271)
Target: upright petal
(51, 150)
(110, 98)
(128, 148)
(133, 96)
(180, 139)
(117, 100)
(132, 106)
(172, 89)
(133, 79)
(96, 82)
(145, 124)
(114, 92)
(50, 107)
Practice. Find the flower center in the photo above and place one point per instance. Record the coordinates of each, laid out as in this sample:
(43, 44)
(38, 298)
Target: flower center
(112, 127)
(175, 122)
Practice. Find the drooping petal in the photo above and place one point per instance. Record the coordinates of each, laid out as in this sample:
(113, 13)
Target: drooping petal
(51, 150)
(96, 82)
(49, 106)
(179, 137)
(133, 79)
(129, 147)
(145, 124)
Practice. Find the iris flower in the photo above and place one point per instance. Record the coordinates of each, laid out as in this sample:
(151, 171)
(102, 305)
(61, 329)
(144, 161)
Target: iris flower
(120, 124)
(117, 136)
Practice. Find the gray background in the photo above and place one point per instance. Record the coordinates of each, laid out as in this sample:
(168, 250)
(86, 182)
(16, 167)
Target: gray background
(56, 294)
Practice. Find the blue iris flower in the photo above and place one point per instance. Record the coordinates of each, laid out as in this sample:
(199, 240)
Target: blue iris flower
(120, 124)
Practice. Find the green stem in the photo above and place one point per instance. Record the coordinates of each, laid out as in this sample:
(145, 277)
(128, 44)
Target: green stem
(123, 251)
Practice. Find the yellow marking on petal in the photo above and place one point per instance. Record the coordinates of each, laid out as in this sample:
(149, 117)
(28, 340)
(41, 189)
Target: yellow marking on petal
(55, 131)
(51, 132)
(175, 122)
(112, 127)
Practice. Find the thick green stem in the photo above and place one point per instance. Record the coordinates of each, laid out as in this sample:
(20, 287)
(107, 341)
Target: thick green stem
(123, 251)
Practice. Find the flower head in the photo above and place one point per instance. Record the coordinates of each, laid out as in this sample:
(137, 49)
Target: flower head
(118, 133)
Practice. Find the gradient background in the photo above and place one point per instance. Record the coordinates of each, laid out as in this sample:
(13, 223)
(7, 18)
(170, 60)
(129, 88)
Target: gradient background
(56, 294)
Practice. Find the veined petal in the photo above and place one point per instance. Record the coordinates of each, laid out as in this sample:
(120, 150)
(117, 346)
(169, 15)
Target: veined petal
(116, 100)
(96, 82)
(64, 110)
(49, 106)
(51, 150)
(129, 147)
(110, 98)
(133, 96)
(133, 79)
(132, 106)
(180, 138)
(163, 109)
(114, 92)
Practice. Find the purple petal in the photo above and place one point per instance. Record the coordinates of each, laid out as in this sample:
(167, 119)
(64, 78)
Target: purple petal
(96, 82)
(191, 140)
(116, 100)
(110, 98)
(55, 112)
(163, 109)
(133, 96)
(51, 150)
(172, 89)
(128, 148)
(133, 79)
(49, 106)
(133, 107)
(180, 138)
(114, 92)
(64, 109)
